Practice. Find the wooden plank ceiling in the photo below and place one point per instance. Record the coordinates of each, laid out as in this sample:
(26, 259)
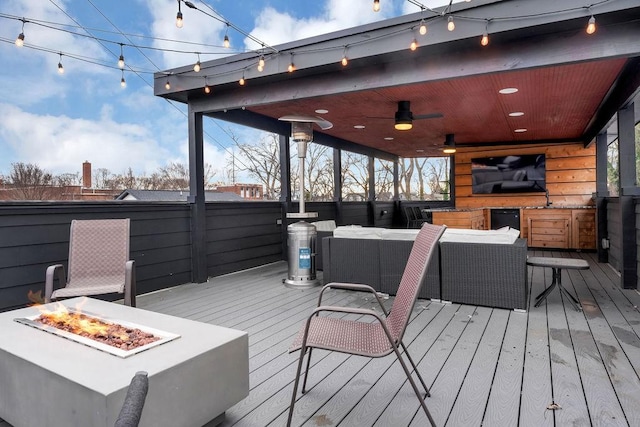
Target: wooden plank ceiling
(554, 101)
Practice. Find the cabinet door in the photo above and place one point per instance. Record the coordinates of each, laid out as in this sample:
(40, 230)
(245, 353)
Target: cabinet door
(549, 232)
(583, 229)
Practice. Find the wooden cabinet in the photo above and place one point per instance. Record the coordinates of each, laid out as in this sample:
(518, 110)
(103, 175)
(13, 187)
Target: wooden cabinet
(559, 228)
(470, 218)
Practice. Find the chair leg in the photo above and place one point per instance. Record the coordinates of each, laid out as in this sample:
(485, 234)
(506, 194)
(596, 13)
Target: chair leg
(415, 369)
(306, 372)
(414, 386)
(295, 385)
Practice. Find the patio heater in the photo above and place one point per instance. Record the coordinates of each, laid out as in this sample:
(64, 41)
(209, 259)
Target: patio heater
(301, 239)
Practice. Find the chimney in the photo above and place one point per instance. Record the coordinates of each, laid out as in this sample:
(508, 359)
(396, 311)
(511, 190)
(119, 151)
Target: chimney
(86, 174)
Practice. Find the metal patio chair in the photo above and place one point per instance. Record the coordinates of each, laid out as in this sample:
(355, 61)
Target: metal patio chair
(98, 262)
(378, 338)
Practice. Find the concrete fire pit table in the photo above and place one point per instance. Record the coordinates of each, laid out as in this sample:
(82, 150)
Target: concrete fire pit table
(49, 380)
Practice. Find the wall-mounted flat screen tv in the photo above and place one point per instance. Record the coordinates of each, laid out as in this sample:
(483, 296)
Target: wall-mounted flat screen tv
(508, 174)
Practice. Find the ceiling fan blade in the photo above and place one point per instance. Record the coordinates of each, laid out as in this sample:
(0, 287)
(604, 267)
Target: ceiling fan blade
(427, 116)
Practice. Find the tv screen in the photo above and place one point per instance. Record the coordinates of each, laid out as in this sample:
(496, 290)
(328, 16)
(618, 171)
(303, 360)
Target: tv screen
(508, 174)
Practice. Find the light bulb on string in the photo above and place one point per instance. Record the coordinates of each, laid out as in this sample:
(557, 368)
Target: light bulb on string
(423, 28)
(167, 85)
(450, 24)
(261, 61)
(485, 39)
(60, 67)
(196, 66)
(344, 60)
(591, 25)
(413, 45)
(123, 82)
(121, 58)
(179, 22)
(291, 68)
(226, 42)
(207, 89)
(241, 81)
(20, 38)
(376, 5)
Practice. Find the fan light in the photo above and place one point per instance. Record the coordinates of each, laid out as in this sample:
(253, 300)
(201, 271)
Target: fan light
(404, 117)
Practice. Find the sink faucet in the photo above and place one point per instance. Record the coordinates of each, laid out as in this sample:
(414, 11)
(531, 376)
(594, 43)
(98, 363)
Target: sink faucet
(546, 193)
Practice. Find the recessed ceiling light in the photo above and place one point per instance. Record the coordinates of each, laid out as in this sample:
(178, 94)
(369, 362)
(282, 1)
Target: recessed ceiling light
(419, 150)
(449, 150)
(388, 138)
(359, 126)
(516, 114)
(321, 111)
(508, 90)
(520, 130)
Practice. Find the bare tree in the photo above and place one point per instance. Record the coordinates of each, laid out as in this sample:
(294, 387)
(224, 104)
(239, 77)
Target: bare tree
(262, 162)
(355, 175)
(30, 182)
(407, 168)
(319, 173)
(384, 180)
(436, 175)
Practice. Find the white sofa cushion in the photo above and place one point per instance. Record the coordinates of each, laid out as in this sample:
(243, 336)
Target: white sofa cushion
(327, 225)
(505, 236)
(357, 232)
(399, 234)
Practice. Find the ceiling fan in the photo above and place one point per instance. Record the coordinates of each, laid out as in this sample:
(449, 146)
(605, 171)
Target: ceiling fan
(404, 117)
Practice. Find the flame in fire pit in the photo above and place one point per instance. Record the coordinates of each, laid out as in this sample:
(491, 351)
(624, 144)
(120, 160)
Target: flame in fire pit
(117, 337)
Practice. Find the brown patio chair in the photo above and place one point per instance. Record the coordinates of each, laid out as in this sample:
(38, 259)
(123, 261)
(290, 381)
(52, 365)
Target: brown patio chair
(98, 262)
(378, 338)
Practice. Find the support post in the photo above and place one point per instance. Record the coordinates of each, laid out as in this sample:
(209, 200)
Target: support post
(197, 199)
(285, 190)
(628, 189)
(602, 192)
(337, 184)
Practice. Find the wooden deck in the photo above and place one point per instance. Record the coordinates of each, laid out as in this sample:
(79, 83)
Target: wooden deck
(489, 367)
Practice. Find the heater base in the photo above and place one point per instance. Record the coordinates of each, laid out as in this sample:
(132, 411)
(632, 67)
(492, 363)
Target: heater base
(301, 284)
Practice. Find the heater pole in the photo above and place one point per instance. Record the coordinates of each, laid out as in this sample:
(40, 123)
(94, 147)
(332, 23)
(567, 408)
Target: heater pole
(302, 152)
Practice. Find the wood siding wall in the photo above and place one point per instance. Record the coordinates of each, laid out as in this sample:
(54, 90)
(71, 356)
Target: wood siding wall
(34, 236)
(570, 176)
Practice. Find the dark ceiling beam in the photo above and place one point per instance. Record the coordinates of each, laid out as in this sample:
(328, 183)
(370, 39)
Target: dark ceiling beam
(624, 90)
(267, 124)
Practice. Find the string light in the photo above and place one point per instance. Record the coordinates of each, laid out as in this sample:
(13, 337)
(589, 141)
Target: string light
(167, 85)
(207, 89)
(376, 5)
(20, 38)
(60, 67)
(179, 22)
(225, 42)
(423, 27)
(413, 45)
(121, 59)
(241, 81)
(196, 66)
(450, 24)
(591, 26)
(344, 60)
(485, 36)
(485, 39)
(261, 63)
(123, 82)
(292, 66)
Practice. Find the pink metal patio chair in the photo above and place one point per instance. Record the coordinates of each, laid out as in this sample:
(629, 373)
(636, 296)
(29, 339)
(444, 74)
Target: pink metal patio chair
(98, 262)
(378, 338)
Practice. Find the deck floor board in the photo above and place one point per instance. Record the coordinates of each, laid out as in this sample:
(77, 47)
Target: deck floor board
(484, 366)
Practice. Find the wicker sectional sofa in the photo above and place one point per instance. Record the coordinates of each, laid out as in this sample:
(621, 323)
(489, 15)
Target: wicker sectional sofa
(466, 269)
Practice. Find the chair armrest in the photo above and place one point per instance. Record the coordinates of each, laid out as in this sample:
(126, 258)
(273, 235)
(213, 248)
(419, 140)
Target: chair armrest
(55, 271)
(347, 310)
(352, 287)
(130, 284)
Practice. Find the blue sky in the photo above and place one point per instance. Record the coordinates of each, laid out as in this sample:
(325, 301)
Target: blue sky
(58, 121)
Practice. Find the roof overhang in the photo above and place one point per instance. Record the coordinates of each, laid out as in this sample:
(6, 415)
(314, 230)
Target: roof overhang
(570, 83)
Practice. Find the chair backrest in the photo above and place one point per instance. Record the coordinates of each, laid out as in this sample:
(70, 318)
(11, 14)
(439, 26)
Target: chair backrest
(417, 212)
(409, 212)
(412, 277)
(98, 249)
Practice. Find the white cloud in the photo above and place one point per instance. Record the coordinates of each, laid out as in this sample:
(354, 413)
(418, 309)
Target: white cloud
(60, 144)
(198, 28)
(274, 27)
